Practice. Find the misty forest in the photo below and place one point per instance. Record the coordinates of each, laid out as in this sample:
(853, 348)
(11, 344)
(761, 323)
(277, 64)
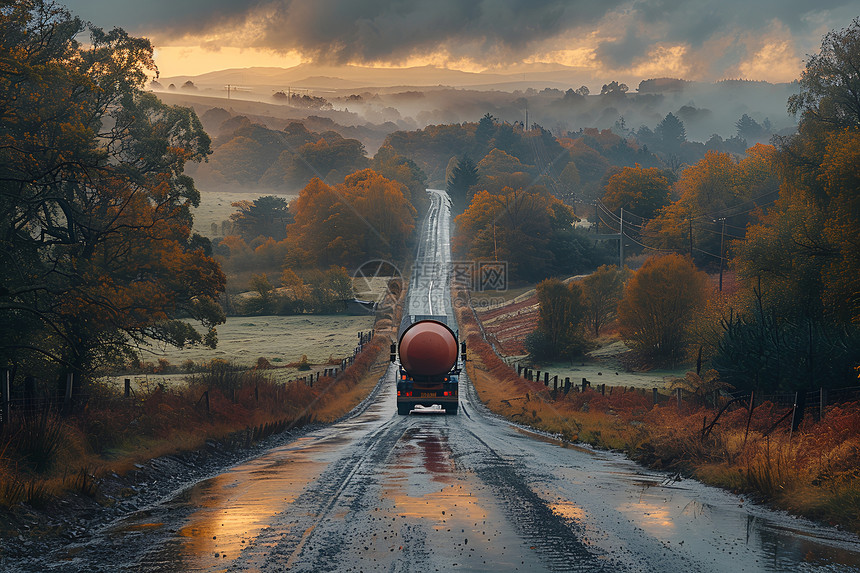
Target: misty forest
(704, 233)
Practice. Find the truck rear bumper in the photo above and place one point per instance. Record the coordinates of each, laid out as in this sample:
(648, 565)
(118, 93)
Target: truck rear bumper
(449, 404)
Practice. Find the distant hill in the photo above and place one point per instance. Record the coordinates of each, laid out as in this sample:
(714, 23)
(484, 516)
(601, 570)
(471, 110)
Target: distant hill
(350, 77)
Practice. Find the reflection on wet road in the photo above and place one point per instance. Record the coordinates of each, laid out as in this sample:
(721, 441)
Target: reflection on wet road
(381, 492)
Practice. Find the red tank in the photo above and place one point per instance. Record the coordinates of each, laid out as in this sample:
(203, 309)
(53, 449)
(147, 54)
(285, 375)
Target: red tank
(428, 348)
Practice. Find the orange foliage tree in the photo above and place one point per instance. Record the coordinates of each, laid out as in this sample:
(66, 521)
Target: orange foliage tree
(528, 228)
(797, 324)
(513, 226)
(655, 315)
(366, 217)
(638, 190)
(391, 165)
(95, 231)
(715, 188)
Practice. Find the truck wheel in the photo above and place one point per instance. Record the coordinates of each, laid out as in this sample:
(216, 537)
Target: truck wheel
(451, 409)
(403, 409)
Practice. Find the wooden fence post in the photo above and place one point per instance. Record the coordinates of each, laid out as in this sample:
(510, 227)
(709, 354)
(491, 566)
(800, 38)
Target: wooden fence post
(584, 384)
(127, 387)
(749, 416)
(603, 390)
(546, 378)
(799, 406)
(654, 395)
(566, 386)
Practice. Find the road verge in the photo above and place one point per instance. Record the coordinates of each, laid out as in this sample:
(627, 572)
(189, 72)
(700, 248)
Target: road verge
(810, 472)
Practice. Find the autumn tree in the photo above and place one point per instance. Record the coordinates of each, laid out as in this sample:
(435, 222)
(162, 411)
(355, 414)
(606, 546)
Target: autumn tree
(559, 330)
(603, 290)
(655, 314)
(95, 231)
(637, 190)
(527, 227)
(498, 162)
(366, 217)
(795, 324)
(329, 159)
(395, 167)
(806, 252)
(714, 190)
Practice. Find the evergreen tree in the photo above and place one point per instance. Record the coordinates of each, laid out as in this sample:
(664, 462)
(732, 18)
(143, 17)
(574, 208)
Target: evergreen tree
(462, 178)
(671, 132)
(484, 132)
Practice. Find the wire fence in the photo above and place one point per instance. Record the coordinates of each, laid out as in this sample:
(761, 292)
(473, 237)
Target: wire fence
(68, 394)
(801, 403)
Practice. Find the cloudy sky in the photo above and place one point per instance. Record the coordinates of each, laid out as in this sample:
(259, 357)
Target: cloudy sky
(629, 40)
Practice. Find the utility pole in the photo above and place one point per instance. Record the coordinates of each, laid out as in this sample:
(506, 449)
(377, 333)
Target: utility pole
(621, 241)
(690, 221)
(495, 247)
(722, 236)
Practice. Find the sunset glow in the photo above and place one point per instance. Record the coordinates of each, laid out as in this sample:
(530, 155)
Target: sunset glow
(622, 40)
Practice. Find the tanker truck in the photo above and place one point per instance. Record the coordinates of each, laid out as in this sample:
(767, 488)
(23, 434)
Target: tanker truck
(429, 371)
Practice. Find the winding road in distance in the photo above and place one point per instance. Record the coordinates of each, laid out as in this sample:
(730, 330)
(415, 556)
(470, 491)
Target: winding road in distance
(382, 492)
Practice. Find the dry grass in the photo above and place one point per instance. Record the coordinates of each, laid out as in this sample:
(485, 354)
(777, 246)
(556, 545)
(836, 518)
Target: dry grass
(814, 472)
(44, 455)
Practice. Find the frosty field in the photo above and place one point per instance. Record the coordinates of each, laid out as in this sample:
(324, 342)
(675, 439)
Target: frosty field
(279, 339)
(215, 206)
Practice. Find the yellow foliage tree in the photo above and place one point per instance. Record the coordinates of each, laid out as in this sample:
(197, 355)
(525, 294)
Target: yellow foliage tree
(655, 315)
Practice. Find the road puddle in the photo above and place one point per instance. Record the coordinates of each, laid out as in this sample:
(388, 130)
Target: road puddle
(235, 506)
(422, 482)
(552, 440)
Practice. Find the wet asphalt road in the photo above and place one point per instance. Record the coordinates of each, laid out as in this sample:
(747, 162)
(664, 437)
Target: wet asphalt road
(381, 492)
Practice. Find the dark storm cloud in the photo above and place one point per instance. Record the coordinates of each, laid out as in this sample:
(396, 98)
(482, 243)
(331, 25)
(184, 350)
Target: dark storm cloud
(349, 30)
(695, 22)
(483, 30)
(152, 17)
(345, 30)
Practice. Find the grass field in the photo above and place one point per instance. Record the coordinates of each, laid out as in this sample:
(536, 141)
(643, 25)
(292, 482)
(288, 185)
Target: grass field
(279, 339)
(215, 206)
